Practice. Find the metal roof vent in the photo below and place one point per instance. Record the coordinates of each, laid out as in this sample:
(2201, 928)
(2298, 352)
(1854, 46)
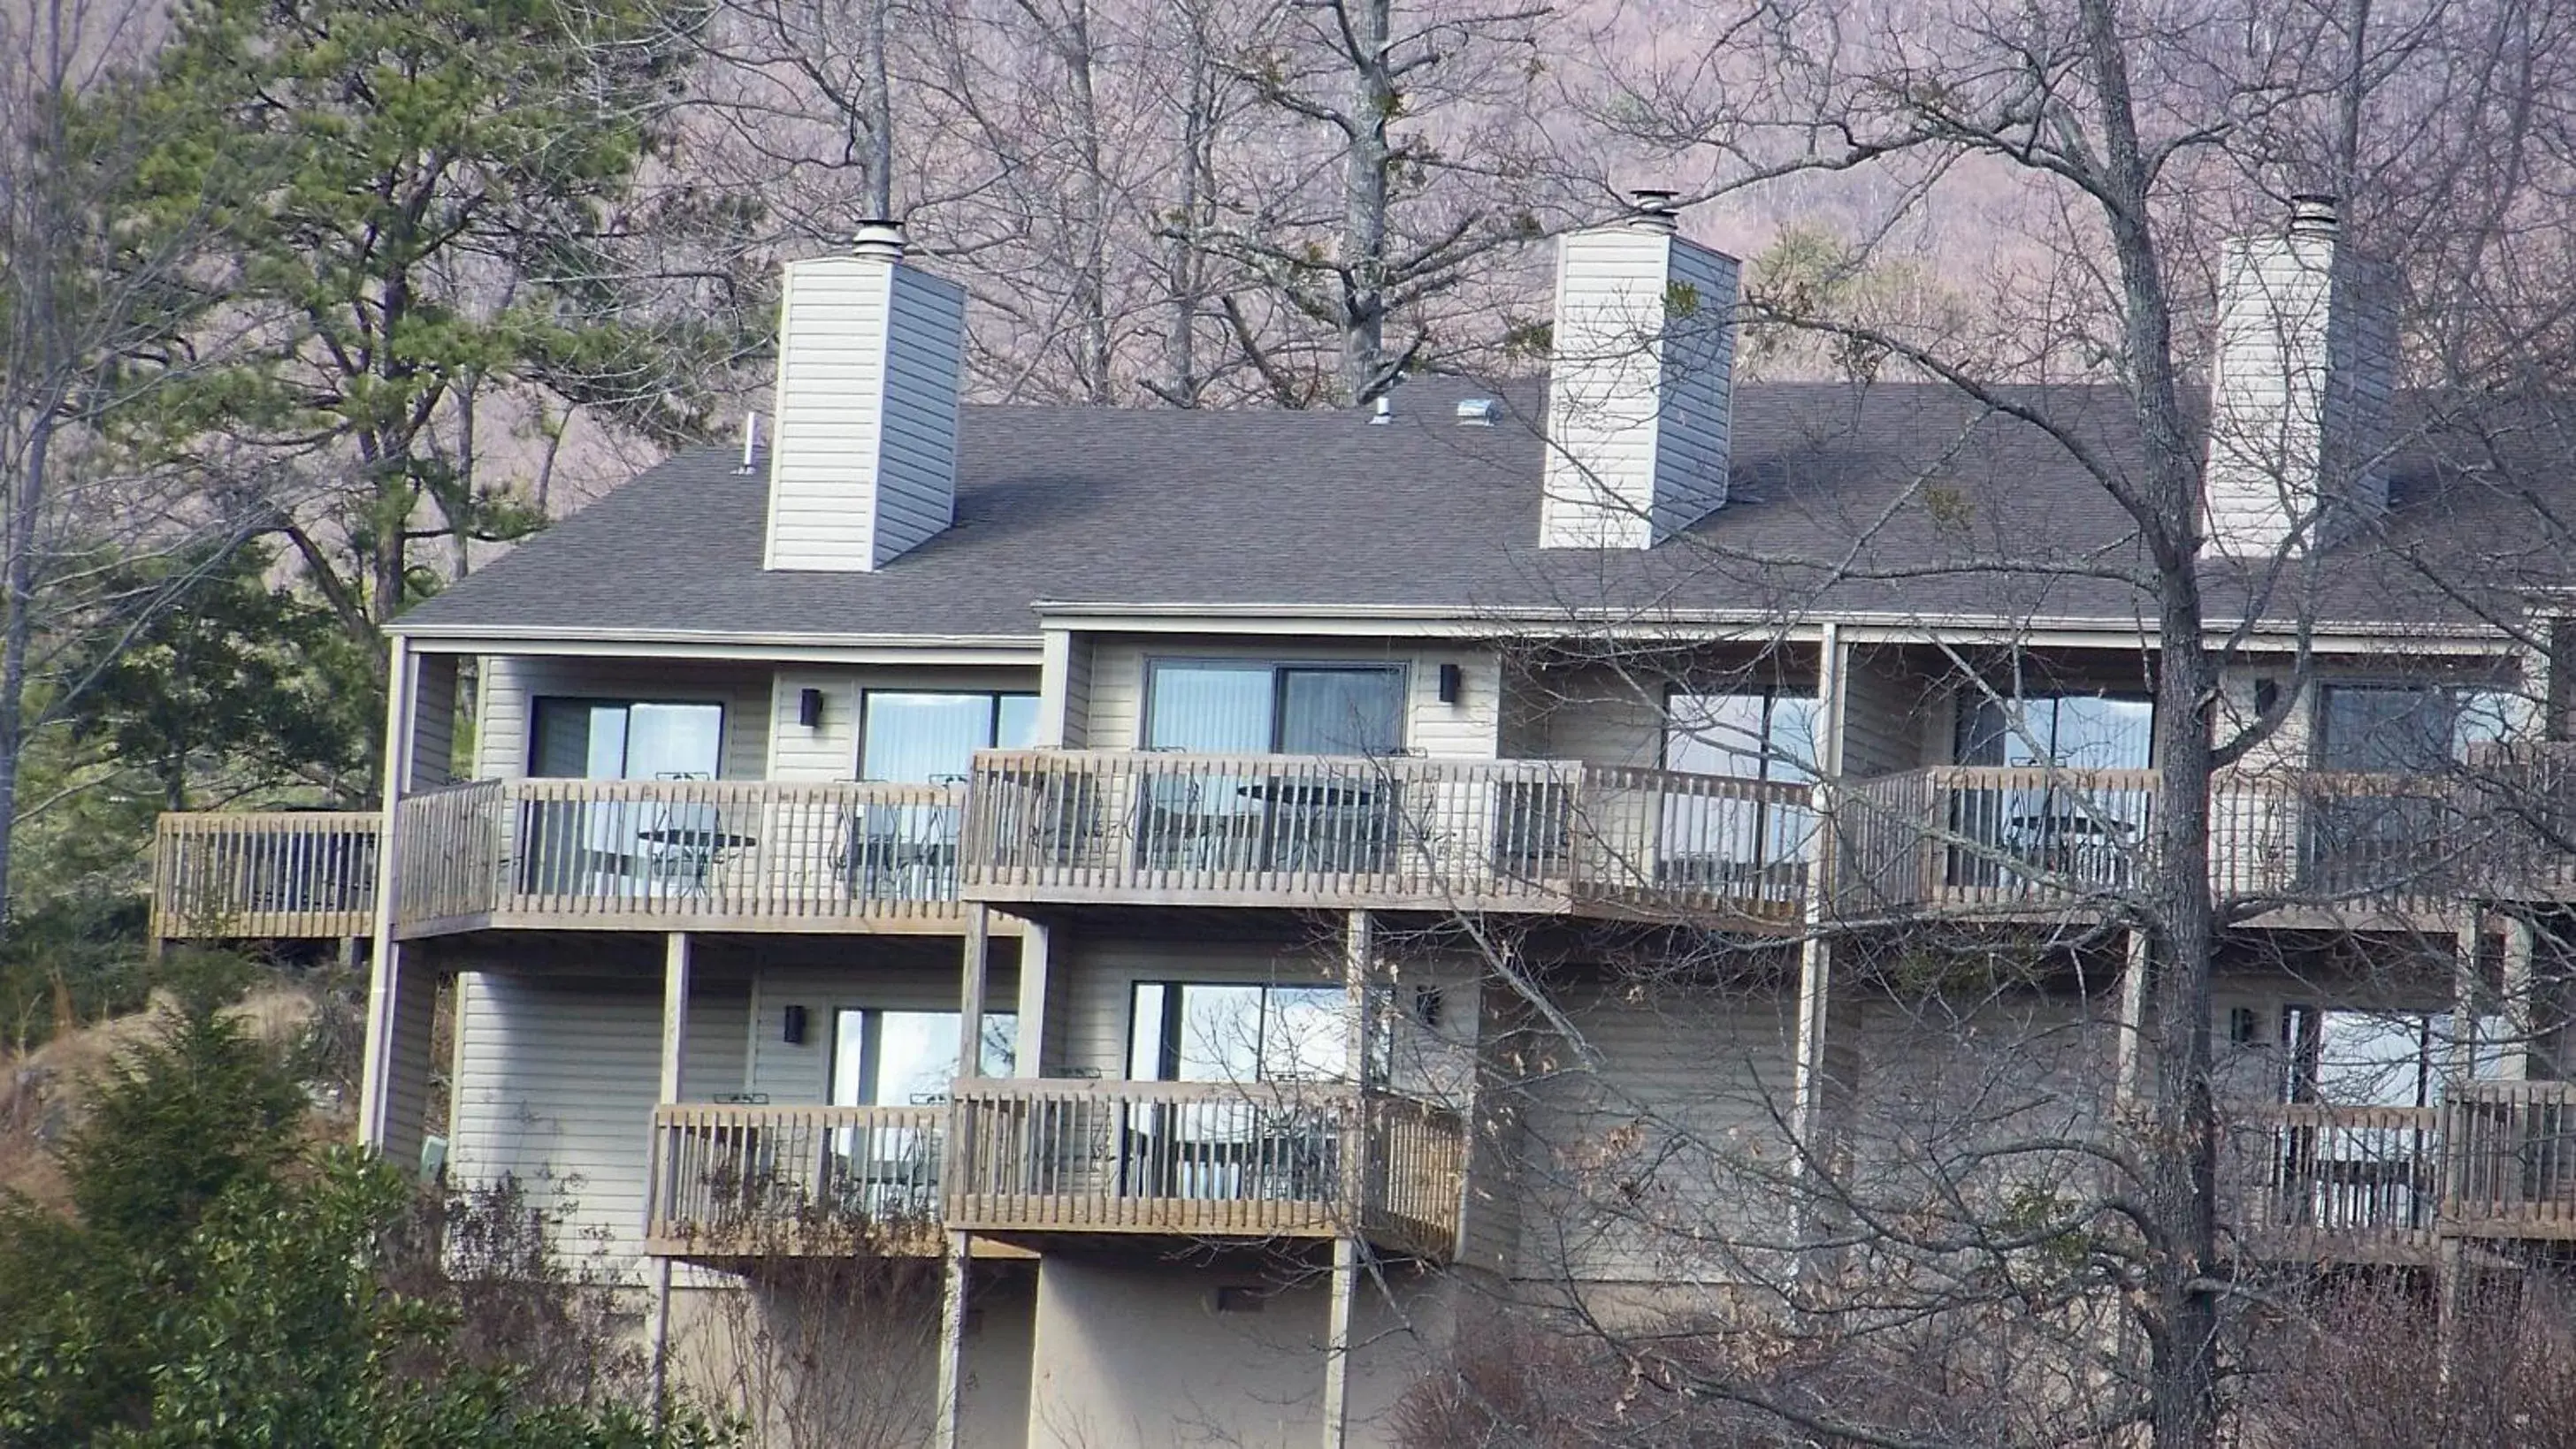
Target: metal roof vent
(1479, 412)
(1384, 410)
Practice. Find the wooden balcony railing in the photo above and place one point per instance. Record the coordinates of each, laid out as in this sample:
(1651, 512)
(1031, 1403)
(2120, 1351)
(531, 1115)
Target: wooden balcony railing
(1395, 833)
(737, 1181)
(2037, 838)
(671, 854)
(1204, 1160)
(268, 874)
(2495, 1160)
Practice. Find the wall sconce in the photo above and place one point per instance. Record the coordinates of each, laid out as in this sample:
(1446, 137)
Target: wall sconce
(791, 1026)
(809, 708)
(1451, 682)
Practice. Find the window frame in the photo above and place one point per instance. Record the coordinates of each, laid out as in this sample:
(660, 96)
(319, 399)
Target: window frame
(1774, 760)
(992, 717)
(537, 708)
(1279, 669)
(1174, 1016)
(1972, 700)
(871, 1049)
(2320, 744)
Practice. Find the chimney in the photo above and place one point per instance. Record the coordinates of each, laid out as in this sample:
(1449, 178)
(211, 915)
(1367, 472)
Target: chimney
(863, 446)
(2300, 376)
(1638, 383)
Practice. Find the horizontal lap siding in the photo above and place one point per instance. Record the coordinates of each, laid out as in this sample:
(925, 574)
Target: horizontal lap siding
(1942, 1076)
(556, 1085)
(830, 751)
(433, 757)
(511, 684)
(1630, 1169)
(828, 420)
(1883, 708)
(893, 975)
(1467, 730)
(917, 469)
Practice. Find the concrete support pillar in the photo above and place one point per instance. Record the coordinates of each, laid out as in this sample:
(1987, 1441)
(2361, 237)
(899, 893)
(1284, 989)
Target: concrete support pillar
(1036, 946)
(2129, 1053)
(970, 991)
(945, 1412)
(1337, 1342)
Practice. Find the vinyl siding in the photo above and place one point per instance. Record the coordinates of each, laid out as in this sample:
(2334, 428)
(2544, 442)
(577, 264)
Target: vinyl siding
(512, 682)
(433, 729)
(407, 1082)
(831, 750)
(890, 975)
(556, 1084)
(864, 455)
(1467, 730)
(1883, 707)
(1626, 1167)
(1066, 712)
(1638, 391)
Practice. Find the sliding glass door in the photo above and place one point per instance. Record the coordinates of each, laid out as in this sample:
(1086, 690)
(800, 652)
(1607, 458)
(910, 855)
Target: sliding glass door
(1323, 819)
(625, 847)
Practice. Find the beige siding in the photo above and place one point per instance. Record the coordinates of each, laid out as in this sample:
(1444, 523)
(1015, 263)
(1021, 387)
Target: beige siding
(511, 684)
(889, 975)
(1638, 400)
(433, 729)
(1066, 713)
(1469, 729)
(556, 1084)
(830, 751)
(863, 462)
(1630, 1168)
(1601, 718)
(1883, 712)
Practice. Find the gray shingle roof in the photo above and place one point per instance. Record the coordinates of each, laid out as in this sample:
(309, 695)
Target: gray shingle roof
(1892, 499)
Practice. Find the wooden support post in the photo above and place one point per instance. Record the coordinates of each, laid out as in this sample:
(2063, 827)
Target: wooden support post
(376, 1087)
(970, 991)
(2129, 1053)
(1359, 973)
(1816, 1095)
(1036, 944)
(675, 1051)
(1337, 1342)
(946, 1418)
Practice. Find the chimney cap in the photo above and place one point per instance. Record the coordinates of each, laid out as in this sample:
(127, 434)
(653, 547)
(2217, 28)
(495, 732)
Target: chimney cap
(2315, 213)
(879, 238)
(1651, 208)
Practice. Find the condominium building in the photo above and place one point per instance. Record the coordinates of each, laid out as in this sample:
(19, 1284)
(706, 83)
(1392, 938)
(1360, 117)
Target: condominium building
(1239, 898)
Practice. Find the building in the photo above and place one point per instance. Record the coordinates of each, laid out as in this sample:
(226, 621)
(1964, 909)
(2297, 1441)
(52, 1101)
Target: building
(1390, 859)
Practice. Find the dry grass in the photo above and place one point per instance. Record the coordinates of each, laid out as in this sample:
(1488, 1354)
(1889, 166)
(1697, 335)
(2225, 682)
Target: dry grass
(42, 1093)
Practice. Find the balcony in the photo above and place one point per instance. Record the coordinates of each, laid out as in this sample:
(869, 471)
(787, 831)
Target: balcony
(735, 1182)
(737, 855)
(1394, 833)
(2027, 841)
(1039, 1160)
(274, 874)
(2495, 1162)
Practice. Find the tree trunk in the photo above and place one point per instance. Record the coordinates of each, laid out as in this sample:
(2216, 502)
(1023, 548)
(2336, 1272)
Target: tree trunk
(1363, 259)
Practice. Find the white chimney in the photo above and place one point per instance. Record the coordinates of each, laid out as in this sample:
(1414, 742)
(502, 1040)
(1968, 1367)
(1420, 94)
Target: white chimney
(2305, 359)
(1639, 382)
(863, 446)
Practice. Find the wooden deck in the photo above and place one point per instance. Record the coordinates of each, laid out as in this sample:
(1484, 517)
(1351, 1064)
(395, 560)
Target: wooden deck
(1035, 1160)
(2301, 846)
(664, 855)
(2495, 1163)
(1396, 833)
(745, 1182)
(266, 875)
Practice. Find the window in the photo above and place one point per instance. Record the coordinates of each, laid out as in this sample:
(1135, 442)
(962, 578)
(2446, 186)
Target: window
(2412, 728)
(601, 739)
(2350, 1058)
(1211, 707)
(919, 737)
(664, 846)
(2073, 731)
(1725, 841)
(1187, 1031)
(2058, 833)
(909, 1058)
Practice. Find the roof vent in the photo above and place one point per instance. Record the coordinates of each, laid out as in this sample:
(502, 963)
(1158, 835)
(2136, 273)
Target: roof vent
(1479, 412)
(1384, 411)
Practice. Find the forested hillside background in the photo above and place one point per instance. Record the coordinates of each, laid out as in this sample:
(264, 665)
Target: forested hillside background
(308, 306)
